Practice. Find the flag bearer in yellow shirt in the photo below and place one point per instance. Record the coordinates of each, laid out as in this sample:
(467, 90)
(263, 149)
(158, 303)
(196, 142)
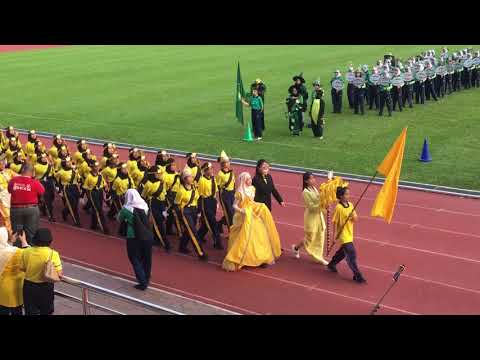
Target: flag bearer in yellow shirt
(226, 188)
(68, 181)
(186, 207)
(155, 193)
(343, 219)
(44, 172)
(122, 182)
(207, 189)
(172, 182)
(94, 185)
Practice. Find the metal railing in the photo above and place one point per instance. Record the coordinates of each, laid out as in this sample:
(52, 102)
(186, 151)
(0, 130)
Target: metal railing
(87, 305)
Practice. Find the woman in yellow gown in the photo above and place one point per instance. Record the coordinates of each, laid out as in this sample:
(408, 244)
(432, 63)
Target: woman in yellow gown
(314, 221)
(254, 239)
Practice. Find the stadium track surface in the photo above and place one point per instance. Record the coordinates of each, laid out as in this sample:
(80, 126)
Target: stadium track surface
(434, 235)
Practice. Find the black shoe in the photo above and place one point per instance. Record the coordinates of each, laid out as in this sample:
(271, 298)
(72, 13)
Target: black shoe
(202, 240)
(141, 287)
(64, 215)
(52, 219)
(332, 268)
(264, 266)
(106, 231)
(204, 258)
(359, 279)
(184, 251)
(77, 225)
(218, 245)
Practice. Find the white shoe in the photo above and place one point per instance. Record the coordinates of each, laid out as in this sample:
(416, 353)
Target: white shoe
(259, 138)
(296, 252)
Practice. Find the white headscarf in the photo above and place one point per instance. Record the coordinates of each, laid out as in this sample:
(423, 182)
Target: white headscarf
(6, 250)
(134, 200)
(243, 188)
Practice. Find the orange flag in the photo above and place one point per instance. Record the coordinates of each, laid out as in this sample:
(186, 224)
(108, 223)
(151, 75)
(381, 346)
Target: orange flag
(390, 167)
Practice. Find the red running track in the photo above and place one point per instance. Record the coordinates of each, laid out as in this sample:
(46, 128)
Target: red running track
(434, 235)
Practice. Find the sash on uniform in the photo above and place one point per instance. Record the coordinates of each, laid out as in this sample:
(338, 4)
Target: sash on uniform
(159, 191)
(192, 197)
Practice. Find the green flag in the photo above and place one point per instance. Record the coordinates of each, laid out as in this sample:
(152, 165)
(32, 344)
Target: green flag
(240, 93)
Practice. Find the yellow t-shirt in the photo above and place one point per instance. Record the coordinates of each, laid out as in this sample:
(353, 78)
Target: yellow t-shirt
(29, 148)
(172, 182)
(205, 187)
(183, 196)
(151, 188)
(109, 173)
(339, 217)
(5, 176)
(11, 282)
(64, 177)
(120, 186)
(41, 171)
(34, 260)
(223, 178)
(92, 182)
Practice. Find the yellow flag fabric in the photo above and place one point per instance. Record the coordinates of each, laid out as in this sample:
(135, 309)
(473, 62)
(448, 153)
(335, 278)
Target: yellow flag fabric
(328, 191)
(391, 167)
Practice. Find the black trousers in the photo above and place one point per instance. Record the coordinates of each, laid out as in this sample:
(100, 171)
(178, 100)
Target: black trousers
(226, 201)
(420, 92)
(476, 77)
(351, 95)
(467, 78)
(38, 299)
(159, 228)
(172, 218)
(140, 256)
(430, 90)
(257, 123)
(347, 251)
(385, 99)
(48, 197)
(97, 216)
(440, 85)
(15, 311)
(396, 93)
(337, 101)
(448, 83)
(457, 81)
(407, 95)
(208, 210)
(71, 196)
(189, 216)
(359, 100)
(317, 128)
(373, 97)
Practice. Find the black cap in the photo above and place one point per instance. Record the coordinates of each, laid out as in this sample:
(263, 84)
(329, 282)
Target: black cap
(43, 237)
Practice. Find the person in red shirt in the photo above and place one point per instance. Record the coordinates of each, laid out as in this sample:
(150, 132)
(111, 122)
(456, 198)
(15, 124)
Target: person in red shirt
(25, 192)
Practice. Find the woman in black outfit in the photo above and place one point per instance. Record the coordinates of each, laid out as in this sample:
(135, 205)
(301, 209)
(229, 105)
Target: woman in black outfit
(264, 187)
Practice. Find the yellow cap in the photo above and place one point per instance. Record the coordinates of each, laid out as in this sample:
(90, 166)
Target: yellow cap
(223, 156)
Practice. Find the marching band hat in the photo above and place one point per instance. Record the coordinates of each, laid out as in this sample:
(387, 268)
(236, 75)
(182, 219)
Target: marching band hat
(32, 132)
(81, 141)
(191, 155)
(337, 71)
(206, 165)
(299, 77)
(10, 128)
(223, 157)
(96, 164)
(142, 157)
(316, 82)
(162, 152)
(67, 159)
(58, 136)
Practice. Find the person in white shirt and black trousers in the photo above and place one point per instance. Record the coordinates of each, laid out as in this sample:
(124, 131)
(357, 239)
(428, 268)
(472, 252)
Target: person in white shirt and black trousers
(264, 186)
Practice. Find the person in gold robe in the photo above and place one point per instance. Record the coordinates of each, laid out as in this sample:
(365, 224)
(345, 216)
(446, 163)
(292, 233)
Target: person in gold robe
(254, 239)
(314, 221)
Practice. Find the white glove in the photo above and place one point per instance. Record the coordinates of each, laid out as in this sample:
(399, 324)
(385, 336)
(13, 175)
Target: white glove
(165, 214)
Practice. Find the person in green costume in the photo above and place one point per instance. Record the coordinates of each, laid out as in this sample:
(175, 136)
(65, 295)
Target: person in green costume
(317, 111)
(294, 110)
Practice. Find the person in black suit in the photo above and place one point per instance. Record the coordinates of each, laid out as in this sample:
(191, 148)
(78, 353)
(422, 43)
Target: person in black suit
(264, 187)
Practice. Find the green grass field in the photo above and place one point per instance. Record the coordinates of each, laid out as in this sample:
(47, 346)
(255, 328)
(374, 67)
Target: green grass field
(182, 97)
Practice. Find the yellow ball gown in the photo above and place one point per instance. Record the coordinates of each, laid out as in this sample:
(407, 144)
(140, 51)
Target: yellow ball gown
(254, 238)
(314, 223)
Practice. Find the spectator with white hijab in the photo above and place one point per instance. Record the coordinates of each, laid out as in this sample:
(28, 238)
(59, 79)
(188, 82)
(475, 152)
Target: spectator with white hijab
(135, 227)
